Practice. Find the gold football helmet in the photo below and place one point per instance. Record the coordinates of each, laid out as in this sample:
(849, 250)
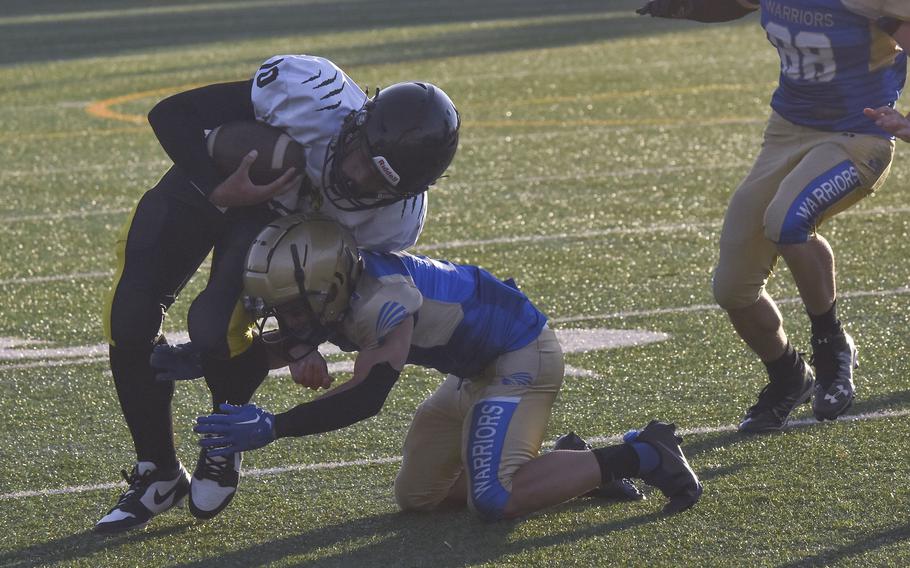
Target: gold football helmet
(307, 265)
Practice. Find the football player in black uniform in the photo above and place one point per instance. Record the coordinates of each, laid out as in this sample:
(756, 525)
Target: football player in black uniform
(372, 184)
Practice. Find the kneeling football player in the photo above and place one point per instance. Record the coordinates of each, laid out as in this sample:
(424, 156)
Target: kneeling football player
(476, 439)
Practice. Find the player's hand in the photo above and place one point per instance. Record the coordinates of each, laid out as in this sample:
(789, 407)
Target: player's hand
(679, 9)
(239, 191)
(239, 429)
(890, 121)
(311, 372)
(179, 362)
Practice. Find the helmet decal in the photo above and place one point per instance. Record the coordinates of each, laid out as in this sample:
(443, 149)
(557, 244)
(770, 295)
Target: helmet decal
(410, 130)
(386, 170)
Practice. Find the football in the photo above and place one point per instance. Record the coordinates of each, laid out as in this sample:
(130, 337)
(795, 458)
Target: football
(230, 142)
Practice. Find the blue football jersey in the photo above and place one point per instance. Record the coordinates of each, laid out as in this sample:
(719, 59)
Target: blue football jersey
(464, 316)
(834, 62)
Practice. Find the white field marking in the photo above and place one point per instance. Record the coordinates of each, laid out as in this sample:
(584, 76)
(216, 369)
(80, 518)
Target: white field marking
(229, 7)
(572, 340)
(626, 230)
(792, 424)
(122, 167)
(58, 278)
(333, 367)
(43, 217)
(629, 230)
(19, 109)
(708, 307)
(615, 438)
(629, 172)
(619, 230)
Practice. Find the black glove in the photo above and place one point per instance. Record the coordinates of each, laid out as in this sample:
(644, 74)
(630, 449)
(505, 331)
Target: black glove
(176, 362)
(678, 9)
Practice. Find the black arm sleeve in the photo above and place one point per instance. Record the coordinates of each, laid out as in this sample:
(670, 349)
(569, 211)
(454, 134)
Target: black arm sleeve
(718, 10)
(179, 122)
(340, 410)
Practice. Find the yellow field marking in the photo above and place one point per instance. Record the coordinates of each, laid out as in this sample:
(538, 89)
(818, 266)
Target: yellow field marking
(102, 109)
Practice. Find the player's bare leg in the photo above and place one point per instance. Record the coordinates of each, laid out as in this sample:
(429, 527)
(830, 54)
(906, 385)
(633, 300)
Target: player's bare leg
(812, 266)
(551, 479)
(761, 327)
(834, 353)
(652, 454)
(791, 380)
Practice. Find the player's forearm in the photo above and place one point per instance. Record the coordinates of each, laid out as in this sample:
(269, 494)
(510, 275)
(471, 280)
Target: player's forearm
(180, 122)
(339, 407)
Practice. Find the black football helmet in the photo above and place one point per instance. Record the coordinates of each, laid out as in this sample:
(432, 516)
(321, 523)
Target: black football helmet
(411, 132)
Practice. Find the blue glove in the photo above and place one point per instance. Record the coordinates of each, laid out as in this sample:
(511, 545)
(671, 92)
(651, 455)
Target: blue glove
(240, 428)
(176, 362)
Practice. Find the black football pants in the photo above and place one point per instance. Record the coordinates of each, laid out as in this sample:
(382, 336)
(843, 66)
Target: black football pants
(168, 237)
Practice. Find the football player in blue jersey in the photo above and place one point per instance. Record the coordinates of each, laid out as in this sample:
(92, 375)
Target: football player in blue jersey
(368, 164)
(474, 441)
(820, 156)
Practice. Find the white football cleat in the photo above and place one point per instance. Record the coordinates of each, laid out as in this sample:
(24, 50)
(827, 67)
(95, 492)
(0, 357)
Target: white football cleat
(151, 492)
(214, 484)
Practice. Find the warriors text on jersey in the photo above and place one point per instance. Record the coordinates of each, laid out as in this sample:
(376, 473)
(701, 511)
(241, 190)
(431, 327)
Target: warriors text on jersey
(309, 98)
(835, 61)
(464, 316)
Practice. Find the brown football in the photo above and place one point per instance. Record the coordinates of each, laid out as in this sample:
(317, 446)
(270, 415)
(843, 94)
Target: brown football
(230, 142)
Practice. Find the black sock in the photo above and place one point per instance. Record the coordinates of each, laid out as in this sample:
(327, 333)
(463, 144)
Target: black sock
(234, 381)
(785, 367)
(617, 462)
(825, 324)
(146, 405)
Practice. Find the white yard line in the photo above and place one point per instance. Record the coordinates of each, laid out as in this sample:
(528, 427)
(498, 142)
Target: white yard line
(255, 473)
(709, 307)
(619, 230)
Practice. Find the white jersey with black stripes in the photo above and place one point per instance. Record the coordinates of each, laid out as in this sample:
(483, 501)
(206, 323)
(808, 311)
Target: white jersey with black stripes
(309, 97)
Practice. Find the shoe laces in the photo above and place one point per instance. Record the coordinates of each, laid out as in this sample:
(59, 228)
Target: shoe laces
(216, 467)
(136, 482)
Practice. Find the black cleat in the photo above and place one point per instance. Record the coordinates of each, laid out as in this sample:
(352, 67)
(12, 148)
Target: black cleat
(672, 476)
(214, 484)
(834, 358)
(151, 492)
(617, 490)
(776, 401)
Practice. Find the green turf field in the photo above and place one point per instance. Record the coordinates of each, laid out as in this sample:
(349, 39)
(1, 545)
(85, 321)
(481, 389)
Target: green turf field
(598, 153)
